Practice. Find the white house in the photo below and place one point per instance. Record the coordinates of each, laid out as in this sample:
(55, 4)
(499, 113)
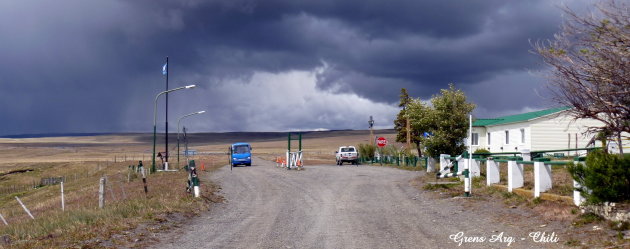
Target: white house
(551, 129)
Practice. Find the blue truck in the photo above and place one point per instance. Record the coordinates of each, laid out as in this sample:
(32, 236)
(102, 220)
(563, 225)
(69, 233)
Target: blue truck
(241, 154)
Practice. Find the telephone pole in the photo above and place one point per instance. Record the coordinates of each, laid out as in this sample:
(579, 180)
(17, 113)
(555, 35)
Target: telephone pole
(408, 133)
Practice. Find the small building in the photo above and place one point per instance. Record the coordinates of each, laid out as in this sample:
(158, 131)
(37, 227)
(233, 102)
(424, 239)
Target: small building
(550, 129)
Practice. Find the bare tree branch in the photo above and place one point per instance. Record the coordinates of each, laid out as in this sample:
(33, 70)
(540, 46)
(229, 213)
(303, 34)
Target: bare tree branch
(590, 61)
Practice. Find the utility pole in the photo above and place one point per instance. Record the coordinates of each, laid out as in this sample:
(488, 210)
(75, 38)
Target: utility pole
(371, 123)
(166, 127)
(408, 134)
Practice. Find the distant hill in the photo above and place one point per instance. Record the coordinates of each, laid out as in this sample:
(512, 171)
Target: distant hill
(232, 137)
(40, 135)
(215, 137)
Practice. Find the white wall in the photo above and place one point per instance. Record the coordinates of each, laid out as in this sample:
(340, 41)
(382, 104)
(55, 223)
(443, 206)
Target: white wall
(550, 133)
(497, 143)
(545, 133)
(482, 138)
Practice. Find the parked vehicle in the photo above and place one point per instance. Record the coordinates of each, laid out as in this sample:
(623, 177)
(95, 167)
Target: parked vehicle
(241, 154)
(347, 154)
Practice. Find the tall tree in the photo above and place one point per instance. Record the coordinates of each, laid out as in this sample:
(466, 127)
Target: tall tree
(590, 62)
(446, 119)
(400, 123)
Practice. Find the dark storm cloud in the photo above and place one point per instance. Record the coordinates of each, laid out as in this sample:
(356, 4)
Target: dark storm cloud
(425, 43)
(79, 66)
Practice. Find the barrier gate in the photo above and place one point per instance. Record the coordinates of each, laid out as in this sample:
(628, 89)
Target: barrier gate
(294, 158)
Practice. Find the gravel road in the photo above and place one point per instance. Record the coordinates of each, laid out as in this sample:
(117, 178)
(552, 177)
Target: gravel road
(329, 206)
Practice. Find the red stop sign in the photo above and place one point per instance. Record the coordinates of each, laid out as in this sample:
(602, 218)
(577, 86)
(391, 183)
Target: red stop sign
(381, 142)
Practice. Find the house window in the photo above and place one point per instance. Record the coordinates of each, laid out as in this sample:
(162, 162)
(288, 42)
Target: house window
(507, 137)
(475, 139)
(523, 136)
(489, 138)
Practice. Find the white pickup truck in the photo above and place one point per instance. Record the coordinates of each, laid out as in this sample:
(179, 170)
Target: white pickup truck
(347, 154)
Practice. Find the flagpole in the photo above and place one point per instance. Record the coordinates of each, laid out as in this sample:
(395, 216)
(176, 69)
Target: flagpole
(166, 127)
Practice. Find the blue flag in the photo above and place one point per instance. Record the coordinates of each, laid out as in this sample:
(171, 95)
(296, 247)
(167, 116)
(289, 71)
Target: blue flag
(164, 69)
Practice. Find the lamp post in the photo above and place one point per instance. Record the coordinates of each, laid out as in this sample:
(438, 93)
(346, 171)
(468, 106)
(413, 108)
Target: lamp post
(178, 122)
(155, 118)
(371, 123)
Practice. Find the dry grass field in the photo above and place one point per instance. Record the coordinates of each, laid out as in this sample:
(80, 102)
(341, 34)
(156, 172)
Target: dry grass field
(82, 161)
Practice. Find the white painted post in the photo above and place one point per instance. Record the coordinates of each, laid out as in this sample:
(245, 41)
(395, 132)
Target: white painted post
(101, 193)
(431, 164)
(63, 201)
(526, 154)
(443, 161)
(578, 199)
(475, 170)
(515, 175)
(467, 169)
(492, 172)
(24, 207)
(542, 178)
(144, 182)
(3, 220)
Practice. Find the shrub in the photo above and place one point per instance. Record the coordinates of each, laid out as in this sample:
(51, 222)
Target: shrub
(389, 150)
(366, 151)
(481, 150)
(604, 178)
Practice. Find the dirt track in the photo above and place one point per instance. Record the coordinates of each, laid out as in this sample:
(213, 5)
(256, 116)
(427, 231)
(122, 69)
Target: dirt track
(335, 207)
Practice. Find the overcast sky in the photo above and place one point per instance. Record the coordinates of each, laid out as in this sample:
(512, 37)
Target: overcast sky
(268, 65)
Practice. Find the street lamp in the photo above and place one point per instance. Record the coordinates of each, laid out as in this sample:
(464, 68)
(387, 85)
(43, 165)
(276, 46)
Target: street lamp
(155, 118)
(371, 123)
(180, 120)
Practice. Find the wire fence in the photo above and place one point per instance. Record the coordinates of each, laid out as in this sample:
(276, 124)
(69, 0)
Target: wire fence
(92, 169)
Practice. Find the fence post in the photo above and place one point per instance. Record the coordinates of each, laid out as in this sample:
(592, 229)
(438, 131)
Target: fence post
(101, 193)
(430, 164)
(24, 207)
(3, 220)
(195, 181)
(492, 172)
(475, 171)
(578, 199)
(443, 161)
(542, 178)
(515, 175)
(63, 201)
(144, 181)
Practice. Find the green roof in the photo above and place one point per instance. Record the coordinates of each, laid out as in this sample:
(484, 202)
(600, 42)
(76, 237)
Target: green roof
(518, 117)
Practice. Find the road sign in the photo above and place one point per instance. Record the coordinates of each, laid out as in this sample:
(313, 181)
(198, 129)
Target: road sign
(381, 142)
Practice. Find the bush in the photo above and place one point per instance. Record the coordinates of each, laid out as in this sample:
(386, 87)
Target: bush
(366, 151)
(604, 178)
(481, 151)
(389, 150)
